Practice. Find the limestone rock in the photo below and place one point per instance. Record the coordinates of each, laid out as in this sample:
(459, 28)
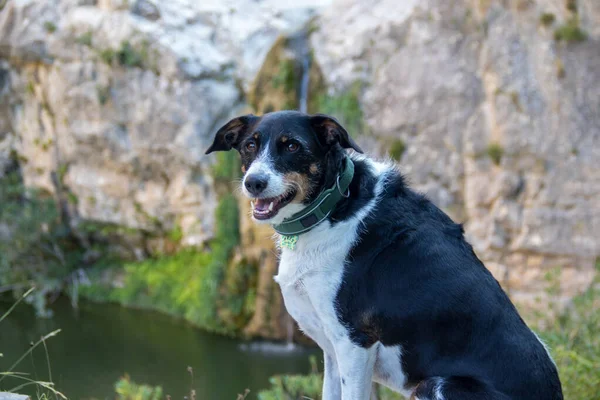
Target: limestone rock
(13, 396)
(121, 99)
(499, 119)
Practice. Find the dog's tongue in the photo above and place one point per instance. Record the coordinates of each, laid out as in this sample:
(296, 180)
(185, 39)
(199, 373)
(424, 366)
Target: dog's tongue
(262, 204)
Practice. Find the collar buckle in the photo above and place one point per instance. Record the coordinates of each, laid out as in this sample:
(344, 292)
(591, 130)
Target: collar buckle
(337, 183)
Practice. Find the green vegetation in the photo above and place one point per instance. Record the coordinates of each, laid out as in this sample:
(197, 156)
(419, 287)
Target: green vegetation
(85, 39)
(397, 149)
(276, 85)
(128, 390)
(345, 107)
(201, 286)
(41, 251)
(560, 69)
(30, 88)
(103, 93)
(127, 55)
(50, 26)
(286, 75)
(514, 98)
(570, 32)
(495, 151)
(293, 387)
(227, 168)
(547, 19)
(574, 343)
(571, 5)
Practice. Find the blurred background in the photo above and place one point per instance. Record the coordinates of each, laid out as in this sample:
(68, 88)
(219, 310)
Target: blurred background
(143, 254)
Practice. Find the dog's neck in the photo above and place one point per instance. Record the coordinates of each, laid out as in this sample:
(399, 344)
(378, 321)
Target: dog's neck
(322, 206)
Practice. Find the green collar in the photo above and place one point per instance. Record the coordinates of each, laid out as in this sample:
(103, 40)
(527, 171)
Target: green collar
(321, 207)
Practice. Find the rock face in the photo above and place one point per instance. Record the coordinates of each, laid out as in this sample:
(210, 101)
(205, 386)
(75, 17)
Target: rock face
(494, 108)
(122, 99)
(500, 121)
(13, 396)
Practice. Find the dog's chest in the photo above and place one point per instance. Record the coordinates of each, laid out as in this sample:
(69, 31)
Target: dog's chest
(310, 277)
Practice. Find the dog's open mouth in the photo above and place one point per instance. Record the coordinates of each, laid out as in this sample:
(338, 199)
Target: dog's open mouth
(269, 207)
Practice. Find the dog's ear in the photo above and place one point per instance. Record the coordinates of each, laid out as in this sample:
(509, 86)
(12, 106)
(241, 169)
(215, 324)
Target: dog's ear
(330, 131)
(231, 134)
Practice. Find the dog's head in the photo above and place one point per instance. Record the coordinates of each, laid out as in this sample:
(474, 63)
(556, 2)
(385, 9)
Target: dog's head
(288, 158)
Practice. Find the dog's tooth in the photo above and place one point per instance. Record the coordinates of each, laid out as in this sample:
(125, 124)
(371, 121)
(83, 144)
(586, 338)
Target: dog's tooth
(271, 206)
(252, 204)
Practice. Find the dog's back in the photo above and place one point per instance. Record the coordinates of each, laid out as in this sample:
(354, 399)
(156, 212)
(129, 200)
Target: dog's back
(378, 276)
(413, 281)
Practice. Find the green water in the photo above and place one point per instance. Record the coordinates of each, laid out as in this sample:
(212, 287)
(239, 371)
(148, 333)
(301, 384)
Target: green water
(100, 343)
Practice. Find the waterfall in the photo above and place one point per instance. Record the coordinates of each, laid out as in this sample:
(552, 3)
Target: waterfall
(300, 46)
(303, 92)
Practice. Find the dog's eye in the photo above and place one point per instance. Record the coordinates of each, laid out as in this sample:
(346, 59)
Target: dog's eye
(292, 147)
(250, 146)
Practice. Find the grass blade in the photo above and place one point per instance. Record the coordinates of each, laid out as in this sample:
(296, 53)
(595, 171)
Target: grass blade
(49, 335)
(16, 303)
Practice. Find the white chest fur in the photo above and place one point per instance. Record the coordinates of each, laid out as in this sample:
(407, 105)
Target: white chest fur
(310, 276)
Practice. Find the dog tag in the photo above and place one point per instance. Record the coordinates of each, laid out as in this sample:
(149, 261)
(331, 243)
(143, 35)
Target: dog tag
(289, 241)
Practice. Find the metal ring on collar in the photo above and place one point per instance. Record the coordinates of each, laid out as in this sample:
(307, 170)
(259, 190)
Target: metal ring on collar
(337, 183)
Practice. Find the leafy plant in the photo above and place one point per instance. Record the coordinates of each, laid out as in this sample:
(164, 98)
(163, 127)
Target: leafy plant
(227, 167)
(126, 389)
(547, 19)
(286, 76)
(345, 107)
(397, 149)
(85, 39)
(495, 151)
(127, 55)
(50, 26)
(190, 283)
(574, 343)
(39, 250)
(295, 386)
(103, 93)
(570, 32)
(571, 5)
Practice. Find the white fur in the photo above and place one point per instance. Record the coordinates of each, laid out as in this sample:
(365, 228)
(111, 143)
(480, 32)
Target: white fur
(387, 372)
(309, 277)
(437, 391)
(263, 164)
(545, 347)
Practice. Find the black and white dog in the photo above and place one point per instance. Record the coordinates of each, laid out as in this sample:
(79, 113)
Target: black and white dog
(378, 276)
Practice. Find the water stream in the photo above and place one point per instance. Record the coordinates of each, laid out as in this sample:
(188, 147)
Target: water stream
(100, 343)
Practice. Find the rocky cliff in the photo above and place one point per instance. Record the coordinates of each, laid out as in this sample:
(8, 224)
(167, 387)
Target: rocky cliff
(492, 108)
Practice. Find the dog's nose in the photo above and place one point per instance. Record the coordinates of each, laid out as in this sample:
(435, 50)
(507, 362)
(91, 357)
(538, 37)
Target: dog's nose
(256, 183)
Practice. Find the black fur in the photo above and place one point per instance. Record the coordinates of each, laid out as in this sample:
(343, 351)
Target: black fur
(321, 139)
(413, 280)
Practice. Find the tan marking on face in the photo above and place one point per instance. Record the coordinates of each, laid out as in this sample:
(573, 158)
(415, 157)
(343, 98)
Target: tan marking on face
(301, 183)
(256, 136)
(284, 139)
(314, 168)
(244, 169)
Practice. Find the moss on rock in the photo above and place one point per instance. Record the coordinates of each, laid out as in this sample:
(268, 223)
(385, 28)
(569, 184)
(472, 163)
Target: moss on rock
(277, 82)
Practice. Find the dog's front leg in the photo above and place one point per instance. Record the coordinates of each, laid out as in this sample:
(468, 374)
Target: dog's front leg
(332, 389)
(356, 369)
